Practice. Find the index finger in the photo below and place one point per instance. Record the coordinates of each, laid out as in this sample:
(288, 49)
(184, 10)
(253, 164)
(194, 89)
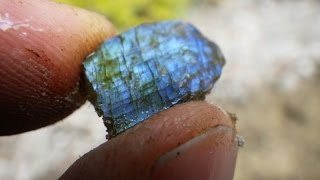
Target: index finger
(42, 44)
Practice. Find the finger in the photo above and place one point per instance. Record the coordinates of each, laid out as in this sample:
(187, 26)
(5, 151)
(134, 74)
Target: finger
(42, 44)
(189, 141)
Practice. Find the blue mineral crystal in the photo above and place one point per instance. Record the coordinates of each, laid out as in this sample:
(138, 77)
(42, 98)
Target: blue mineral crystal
(150, 68)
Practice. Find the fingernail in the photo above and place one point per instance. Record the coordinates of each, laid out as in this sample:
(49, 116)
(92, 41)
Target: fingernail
(211, 155)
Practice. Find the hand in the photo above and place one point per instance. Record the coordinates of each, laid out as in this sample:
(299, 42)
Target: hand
(42, 44)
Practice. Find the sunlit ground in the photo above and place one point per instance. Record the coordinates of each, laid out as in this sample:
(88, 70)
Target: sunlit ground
(271, 81)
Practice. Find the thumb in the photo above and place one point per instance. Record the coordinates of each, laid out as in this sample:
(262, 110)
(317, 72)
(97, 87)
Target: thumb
(194, 140)
(42, 44)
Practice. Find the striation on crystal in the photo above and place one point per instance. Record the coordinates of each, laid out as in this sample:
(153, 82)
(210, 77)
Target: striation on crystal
(147, 69)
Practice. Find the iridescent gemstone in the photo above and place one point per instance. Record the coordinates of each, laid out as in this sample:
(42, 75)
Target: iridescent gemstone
(150, 68)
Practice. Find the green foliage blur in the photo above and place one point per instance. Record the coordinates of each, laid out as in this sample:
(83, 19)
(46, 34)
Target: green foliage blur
(126, 13)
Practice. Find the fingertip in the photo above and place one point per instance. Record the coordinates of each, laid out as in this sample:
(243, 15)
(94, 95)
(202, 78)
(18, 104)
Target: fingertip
(211, 155)
(136, 152)
(42, 46)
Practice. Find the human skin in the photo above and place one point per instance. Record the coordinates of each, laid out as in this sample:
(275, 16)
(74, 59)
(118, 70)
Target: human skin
(42, 45)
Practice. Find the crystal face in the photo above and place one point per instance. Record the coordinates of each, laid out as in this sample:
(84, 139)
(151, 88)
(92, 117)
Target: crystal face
(150, 68)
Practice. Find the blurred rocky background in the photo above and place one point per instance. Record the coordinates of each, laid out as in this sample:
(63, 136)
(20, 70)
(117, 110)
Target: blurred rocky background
(271, 81)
